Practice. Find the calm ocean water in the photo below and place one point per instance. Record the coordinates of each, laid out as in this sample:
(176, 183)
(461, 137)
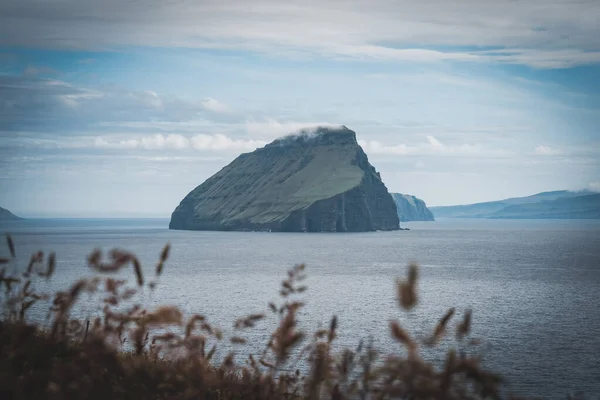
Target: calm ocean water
(534, 285)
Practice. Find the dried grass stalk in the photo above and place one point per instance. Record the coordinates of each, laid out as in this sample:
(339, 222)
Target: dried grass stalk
(11, 246)
(175, 365)
(440, 328)
(407, 290)
(464, 328)
(138, 272)
(403, 337)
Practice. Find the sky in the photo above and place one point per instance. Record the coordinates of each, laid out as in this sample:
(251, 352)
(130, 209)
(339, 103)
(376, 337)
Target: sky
(119, 108)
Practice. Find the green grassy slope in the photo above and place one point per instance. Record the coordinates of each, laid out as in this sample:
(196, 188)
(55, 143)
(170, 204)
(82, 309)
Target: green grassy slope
(270, 183)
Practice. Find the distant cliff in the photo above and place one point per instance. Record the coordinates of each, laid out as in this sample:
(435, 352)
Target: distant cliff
(411, 208)
(315, 181)
(6, 215)
(546, 205)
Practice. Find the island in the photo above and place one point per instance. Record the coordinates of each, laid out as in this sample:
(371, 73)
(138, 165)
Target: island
(317, 180)
(411, 208)
(558, 204)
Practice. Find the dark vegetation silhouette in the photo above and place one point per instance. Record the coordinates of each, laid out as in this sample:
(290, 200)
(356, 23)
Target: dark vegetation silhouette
(130, 352)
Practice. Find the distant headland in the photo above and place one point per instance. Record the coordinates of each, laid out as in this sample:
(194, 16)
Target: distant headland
(560, 204)
(411, 208)
(6, 215)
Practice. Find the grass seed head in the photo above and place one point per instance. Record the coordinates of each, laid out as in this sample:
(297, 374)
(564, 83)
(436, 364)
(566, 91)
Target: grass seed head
(403, 337)
(165, 252)
(138, 272)
(464, 328)
(11, 246)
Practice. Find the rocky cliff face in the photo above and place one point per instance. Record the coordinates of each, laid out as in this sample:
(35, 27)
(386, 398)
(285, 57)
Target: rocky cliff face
(411, 208)
(318, 181)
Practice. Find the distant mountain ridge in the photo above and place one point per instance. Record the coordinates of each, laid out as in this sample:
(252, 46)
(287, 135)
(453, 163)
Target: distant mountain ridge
(559, 204)
(411, 208)
(6, 215)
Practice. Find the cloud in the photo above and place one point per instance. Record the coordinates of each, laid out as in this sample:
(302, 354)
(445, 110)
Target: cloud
(32, 71)
(216, 142)
(103, 143)
(34, 103)
(526, 32)
(303, 135)
(547, 151)
(594, 187)
(222, 142)
(375, 147)
(389, 53)
(434, 142)
(214, 105)
(35, 110)
(271, 128)
(545, 59)
(419, 164)
(431, 147)
(147, 98)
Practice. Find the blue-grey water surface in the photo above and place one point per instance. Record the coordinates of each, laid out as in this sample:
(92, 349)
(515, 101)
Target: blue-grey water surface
(534, 285)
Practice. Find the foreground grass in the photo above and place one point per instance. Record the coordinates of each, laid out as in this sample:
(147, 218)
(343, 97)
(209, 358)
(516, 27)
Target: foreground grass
(169, 356)
(36, 366)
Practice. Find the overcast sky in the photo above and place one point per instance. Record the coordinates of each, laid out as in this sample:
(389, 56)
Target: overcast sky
(121, 107)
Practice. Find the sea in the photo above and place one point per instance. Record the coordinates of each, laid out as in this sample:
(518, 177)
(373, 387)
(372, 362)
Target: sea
(533, 285)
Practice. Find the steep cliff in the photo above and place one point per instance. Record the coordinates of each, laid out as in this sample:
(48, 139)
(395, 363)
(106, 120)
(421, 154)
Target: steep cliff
(411, 208)
(313, 181)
